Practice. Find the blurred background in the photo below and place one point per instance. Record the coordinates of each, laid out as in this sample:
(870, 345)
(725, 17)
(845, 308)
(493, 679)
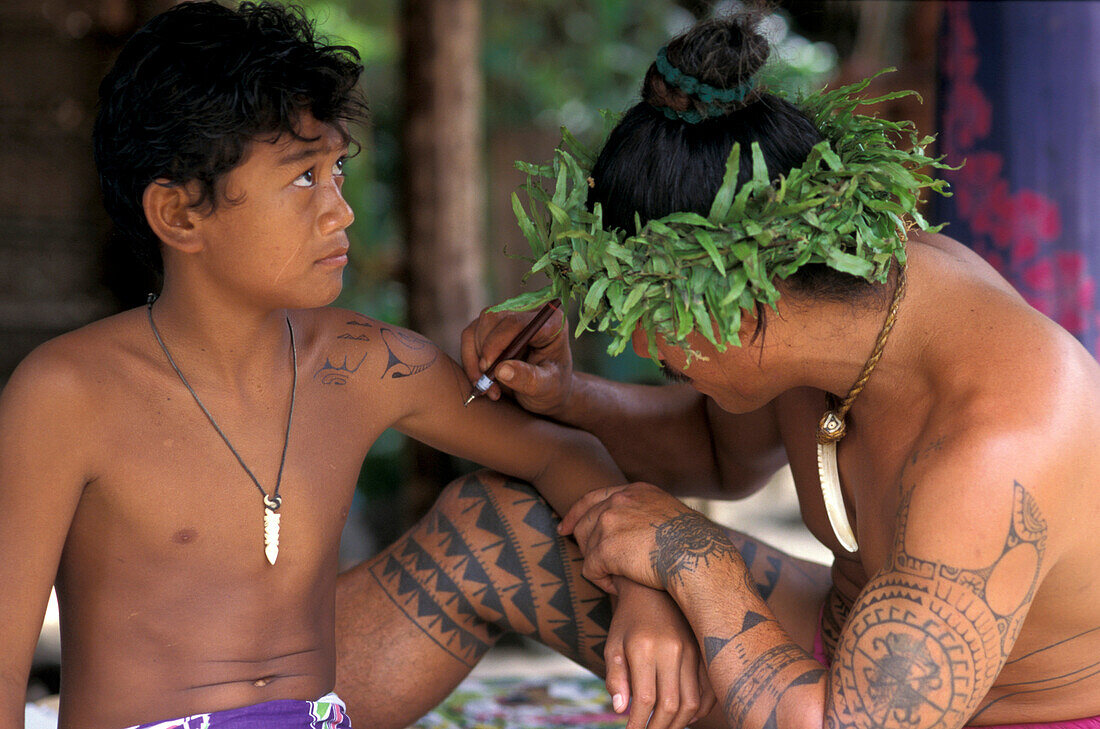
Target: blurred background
(460, 89)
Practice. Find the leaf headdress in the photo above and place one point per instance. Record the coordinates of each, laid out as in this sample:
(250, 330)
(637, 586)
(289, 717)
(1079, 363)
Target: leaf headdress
(849, 206)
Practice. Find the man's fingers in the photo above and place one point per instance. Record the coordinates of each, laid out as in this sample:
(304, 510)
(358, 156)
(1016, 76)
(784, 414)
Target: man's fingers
(486, 337)
(469, 352)
(583, 505)
(522, 378)
(618, 677)
(593, 571)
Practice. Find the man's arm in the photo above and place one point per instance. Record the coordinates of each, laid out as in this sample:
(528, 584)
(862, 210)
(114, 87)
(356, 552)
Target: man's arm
(925, 639)
(670, 435)
(40, 485)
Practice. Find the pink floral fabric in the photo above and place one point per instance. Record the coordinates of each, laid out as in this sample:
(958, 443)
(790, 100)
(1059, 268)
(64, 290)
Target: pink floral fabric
(1019, 83)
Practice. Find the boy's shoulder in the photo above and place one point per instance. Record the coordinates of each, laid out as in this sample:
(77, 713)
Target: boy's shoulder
(64, 378)
(349, 348)
(79, 357)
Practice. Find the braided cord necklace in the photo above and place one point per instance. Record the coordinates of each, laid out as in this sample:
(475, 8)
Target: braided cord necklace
(832, 428)
(274, 501)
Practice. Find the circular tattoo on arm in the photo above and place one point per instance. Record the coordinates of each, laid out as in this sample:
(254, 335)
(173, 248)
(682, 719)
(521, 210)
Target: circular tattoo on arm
(926, 639)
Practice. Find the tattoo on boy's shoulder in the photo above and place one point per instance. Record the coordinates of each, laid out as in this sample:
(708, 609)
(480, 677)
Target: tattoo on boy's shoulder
(408, 353)
(945, 628)
(339, 366)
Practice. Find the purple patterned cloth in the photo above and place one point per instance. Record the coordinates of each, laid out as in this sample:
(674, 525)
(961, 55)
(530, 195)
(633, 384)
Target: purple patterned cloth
(1017, 102)
(327, 712)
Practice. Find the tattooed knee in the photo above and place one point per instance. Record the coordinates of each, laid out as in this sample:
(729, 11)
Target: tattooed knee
(512, 498)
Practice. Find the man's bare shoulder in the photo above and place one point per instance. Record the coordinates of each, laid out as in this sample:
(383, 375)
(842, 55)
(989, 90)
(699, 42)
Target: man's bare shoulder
(1032, 426)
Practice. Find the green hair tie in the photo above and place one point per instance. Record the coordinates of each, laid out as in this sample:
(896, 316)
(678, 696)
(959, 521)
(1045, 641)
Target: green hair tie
(712, 97)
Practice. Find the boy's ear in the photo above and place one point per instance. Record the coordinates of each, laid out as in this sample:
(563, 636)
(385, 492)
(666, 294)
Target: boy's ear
(169, 213)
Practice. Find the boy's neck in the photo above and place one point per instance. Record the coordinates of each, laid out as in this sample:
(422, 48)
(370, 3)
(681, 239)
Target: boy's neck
(222, 340)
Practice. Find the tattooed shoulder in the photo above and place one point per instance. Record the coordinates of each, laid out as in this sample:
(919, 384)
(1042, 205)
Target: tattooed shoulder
(408, 353)
(347, 349)
(404, 353)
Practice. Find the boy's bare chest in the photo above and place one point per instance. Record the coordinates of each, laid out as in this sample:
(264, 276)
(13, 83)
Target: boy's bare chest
(168, 484)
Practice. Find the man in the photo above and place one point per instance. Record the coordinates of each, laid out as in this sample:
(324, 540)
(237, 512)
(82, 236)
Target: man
(952, 475)
(184, 469)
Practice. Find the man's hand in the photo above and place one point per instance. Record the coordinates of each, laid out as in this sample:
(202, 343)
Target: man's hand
(653, 662)
(642, 533)
(543, 382)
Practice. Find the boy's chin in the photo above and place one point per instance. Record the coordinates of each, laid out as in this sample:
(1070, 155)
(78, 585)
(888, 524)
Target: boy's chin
(316, 298)
(327, 299)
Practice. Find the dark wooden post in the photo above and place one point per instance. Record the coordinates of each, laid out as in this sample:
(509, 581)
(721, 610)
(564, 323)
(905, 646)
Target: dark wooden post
(442, 189)
(53, 226)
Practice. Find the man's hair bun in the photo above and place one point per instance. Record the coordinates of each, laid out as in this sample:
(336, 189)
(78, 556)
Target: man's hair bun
(724, 53)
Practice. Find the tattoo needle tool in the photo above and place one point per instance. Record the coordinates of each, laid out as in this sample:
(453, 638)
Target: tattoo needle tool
(513, 349)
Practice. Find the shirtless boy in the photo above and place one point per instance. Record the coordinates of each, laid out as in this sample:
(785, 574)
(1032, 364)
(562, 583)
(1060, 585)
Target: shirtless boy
(183, 470)
(966, 590)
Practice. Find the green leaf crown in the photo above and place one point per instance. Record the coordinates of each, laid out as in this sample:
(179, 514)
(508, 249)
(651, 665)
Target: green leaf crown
(849, 206)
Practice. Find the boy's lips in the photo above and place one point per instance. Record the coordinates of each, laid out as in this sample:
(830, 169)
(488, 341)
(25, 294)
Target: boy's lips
(336, 257)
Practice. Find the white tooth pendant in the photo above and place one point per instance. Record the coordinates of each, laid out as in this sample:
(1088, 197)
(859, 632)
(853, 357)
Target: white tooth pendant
(271, 527)
(829, 475)
(830, 430)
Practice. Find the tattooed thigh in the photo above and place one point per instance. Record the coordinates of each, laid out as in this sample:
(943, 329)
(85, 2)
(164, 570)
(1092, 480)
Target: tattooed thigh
(488, 559)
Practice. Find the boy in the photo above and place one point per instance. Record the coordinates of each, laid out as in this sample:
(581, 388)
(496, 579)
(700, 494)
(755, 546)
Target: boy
(184, 469)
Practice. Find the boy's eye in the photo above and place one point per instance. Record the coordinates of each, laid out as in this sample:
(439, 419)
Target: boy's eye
(305, 179)
(338, 167)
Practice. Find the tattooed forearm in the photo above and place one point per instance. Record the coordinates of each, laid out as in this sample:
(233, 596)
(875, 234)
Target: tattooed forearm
(766, 680)
(926, 639)
(686, 540)
(713, 645)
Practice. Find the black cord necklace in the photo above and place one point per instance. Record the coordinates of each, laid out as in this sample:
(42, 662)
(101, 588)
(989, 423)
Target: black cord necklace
(274, 501)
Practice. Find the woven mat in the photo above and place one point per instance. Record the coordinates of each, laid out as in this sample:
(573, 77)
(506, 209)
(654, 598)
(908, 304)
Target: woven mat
(505, 703)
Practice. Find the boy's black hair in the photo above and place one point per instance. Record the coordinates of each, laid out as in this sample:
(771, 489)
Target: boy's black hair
(194, 86)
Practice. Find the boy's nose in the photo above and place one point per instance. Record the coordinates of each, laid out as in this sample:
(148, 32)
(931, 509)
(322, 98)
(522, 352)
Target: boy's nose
(339, 214)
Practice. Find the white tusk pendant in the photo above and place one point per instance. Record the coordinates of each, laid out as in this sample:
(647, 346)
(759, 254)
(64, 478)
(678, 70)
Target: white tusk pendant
(829, 476)
(271, 535)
